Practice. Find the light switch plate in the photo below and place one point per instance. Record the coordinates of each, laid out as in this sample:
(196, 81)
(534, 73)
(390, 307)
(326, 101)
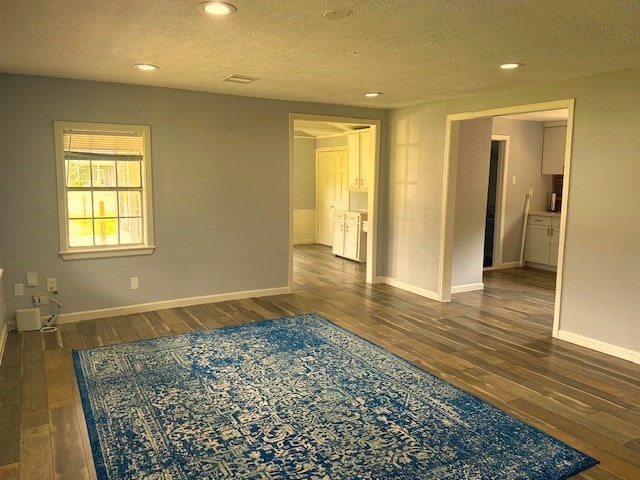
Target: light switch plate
(18, 289)
(32, 279)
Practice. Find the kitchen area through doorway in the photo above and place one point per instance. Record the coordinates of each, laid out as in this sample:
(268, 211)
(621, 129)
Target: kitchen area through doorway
(332, 177)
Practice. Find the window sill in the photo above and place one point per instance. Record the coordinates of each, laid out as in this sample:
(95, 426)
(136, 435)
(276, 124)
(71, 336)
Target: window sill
(106, 253)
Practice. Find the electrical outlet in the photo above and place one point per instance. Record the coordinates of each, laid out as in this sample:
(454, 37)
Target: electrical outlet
(134, 283)
(41, 299)
(52, 284)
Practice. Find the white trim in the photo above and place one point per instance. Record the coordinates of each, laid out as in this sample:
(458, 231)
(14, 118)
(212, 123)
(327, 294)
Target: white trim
(597, 345)
(506, 265)
(164, 304)
(331, 149)
(372, 236)
(107, 252)
(423, 292)
(503, 266)
(147, 246)
(3, 340)
(563, 220)
(469, 287)
(542, 266)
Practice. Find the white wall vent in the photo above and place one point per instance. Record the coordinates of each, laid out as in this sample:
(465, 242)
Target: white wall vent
(239, 79)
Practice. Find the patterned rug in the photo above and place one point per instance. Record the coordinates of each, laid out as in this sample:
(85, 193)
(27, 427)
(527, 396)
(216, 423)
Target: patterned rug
(297, 397)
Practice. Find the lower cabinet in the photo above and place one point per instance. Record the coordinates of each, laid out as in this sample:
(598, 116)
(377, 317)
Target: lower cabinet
(541, 243)
(349, 240)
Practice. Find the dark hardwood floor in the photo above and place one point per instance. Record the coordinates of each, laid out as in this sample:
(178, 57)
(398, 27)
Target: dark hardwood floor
(495, 344)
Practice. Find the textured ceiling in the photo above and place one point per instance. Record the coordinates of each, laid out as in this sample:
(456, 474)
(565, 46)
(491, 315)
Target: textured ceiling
(412, 50)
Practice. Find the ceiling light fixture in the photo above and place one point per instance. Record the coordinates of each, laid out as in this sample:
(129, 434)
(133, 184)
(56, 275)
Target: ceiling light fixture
(218, 9)
(373, 94)
(510, 66)
(146, 67)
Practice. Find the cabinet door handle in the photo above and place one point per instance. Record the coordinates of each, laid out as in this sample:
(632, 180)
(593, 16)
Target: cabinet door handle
(548, 231)
(347, 228)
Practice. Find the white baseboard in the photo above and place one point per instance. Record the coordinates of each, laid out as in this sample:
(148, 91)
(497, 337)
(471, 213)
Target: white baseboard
(503, 266)
(509, 265)
(161, 305)
(423, 292)
(597, 345)
(306, 241)
(469, 287)
(3, 340)
(541, 266)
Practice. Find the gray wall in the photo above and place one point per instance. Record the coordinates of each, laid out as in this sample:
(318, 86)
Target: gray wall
(220, 180)
(304, 173)
(472, 175)
(525, 162)
(3, 307)
(601, 284)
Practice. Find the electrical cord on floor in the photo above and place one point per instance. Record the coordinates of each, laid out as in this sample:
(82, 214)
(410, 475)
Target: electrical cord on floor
(50, 320)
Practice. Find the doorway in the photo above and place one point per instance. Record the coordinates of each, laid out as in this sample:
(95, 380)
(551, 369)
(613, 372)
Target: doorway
(329, 186)
(496, 204)
(492, 198)
(519, 190)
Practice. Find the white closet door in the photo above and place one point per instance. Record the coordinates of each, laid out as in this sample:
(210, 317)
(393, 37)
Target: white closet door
(332, 193)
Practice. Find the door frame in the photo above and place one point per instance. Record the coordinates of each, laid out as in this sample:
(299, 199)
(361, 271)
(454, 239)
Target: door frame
(318, 151)
(449, 191)
(372, 207)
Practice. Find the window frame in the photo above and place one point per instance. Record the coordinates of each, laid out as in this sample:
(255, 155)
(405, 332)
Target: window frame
(147, 246)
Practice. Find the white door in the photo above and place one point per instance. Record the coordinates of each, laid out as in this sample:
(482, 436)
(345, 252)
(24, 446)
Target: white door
(332, 191)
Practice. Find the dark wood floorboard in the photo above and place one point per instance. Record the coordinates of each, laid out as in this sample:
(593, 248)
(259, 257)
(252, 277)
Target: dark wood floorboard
(494, 343)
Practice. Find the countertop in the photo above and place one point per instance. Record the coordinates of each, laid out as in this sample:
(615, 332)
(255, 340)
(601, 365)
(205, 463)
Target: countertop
(545, 214)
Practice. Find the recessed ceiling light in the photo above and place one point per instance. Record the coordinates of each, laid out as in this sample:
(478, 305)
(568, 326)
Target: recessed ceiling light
(217, 8)
(510, 66)
(146, 67)
(372, 94)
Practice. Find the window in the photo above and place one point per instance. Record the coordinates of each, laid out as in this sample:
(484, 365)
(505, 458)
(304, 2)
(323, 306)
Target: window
(104, 189)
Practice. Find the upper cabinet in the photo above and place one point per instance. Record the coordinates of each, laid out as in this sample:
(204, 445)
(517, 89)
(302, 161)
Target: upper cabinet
(360, 151)
(553, 148)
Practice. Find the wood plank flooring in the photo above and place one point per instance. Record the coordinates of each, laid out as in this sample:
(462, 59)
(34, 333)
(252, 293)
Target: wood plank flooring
(495, 344)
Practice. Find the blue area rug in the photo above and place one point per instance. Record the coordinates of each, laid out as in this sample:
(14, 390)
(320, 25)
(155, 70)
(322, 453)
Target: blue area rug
(297, 397)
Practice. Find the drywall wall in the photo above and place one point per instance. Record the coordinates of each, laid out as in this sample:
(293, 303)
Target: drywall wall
(304, 173)
(220, 187)
(3, 315)
(525, 159)
(340, 141)
(601, 280)
(472, 179)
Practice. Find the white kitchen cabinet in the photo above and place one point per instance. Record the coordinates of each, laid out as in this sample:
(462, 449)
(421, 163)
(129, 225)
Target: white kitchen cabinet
(553, 150)
(541, 243)
(349, 240)
(360, 150)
